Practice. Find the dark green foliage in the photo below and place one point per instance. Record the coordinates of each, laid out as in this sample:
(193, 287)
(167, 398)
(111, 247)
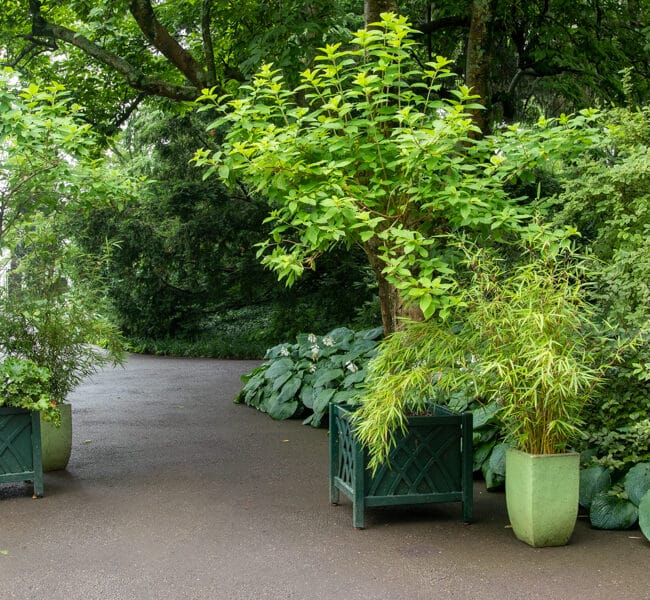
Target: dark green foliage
(644, 515)
(301, 379)
(637, 482)
(607, 198)
(23, 384)
(593, 480)
(610, 511)
(183, 257)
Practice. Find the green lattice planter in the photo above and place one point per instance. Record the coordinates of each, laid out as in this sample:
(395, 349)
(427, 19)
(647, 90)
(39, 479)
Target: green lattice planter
(431, 463)
(20, 447)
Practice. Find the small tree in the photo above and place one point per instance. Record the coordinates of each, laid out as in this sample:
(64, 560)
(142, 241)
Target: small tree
(371, 149)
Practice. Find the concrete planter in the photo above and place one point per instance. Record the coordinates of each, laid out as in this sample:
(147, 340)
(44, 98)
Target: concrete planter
(542, 496)
(431, 463)
(20, 447)
(57, 441)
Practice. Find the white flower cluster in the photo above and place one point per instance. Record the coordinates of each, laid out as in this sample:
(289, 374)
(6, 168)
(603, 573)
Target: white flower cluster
(284, 351)
(328, 341)
(350, 366)
(311, 338)
(315, 351)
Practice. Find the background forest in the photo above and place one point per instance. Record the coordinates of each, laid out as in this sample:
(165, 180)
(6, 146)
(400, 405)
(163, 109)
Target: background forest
(182, 255)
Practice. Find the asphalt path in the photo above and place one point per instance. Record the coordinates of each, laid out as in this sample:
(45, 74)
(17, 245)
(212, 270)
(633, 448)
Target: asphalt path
(174, 492)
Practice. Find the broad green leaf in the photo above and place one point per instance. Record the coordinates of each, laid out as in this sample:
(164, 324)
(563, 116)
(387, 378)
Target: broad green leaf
(481, 454)
(637, 482)
(278, 368)
(593, 480)
(322, 399)
(280, 410)
(493, 481)
(611, 512)
(290, 389)
(327, 376)
(280, 380)
(485, 414)
(498, 459)
(307, 396)
(644, 515)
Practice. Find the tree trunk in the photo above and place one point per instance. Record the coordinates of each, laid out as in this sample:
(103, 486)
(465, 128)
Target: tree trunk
(374, 8)
(395, 312)
(477, 60)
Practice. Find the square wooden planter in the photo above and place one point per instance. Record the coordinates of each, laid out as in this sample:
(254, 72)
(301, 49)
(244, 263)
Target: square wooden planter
(20, 447)
(431, 463)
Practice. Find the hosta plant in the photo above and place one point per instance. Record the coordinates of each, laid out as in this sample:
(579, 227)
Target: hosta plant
(617, 505)
(301, 379)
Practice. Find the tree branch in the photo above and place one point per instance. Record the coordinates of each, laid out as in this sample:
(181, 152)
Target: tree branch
(46, 33)
(159, 37)
(206, 34)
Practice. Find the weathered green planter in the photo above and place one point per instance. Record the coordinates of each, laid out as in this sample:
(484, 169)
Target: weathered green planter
(57, 441)
(431, 463)
(20, 447)
(542, 493)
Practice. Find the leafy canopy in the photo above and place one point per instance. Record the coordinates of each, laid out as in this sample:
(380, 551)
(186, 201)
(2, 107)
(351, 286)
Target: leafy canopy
(372, 149)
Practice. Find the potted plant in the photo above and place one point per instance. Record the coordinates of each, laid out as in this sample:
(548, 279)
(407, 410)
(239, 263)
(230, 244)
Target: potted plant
(430, 461)
(50, 314)
(523, 336)
(23, 398)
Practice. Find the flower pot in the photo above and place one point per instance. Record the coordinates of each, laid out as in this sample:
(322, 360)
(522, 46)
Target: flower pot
(431, 462)
(542, 493)
(20, 447)
(57, 441)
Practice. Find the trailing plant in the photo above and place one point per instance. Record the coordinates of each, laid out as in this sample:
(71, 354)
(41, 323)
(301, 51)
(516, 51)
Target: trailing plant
(303, 378)
(523, 336)
(23, 384)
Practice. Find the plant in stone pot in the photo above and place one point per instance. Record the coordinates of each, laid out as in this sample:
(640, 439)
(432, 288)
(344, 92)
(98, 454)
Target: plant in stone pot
(50, 314)
(23, 398)
(525, 337)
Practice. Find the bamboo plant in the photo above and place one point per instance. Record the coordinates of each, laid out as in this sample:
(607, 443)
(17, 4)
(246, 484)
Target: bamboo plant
(523, 336)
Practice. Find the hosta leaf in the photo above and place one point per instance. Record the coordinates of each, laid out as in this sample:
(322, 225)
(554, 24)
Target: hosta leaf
(289, 389)
(498, 459)
(327, 376)
(637, 482)
(322, 399)
(307, 396)
(481, 453)
(352, 378)
(593, 481)
(494, 469)
(280, 380)
(644, 515)
(344, 397)
(278, 368)
(493, 481)
(280, 410)
(484, 415)
(611, 512)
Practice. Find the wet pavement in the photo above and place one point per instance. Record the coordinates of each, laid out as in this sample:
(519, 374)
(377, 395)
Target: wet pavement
(174, 492)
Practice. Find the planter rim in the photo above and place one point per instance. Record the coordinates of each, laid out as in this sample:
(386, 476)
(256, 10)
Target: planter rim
(514, 450)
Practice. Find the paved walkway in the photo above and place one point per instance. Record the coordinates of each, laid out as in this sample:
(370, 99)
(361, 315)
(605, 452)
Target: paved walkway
(173, 492)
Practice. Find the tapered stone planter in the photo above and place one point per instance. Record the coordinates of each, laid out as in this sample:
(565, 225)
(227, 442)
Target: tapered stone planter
(542, 492)
(20, 447)
(431, 463)
(57, 441)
